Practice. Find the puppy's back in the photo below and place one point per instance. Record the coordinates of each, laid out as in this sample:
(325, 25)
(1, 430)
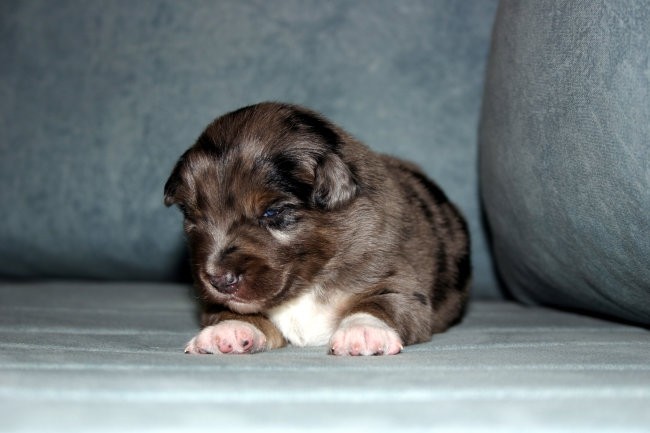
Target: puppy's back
(439, 243)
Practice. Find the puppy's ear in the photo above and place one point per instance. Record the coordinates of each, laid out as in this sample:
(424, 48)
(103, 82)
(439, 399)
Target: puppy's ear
(170, 190)
(334, 183)
(172, 184)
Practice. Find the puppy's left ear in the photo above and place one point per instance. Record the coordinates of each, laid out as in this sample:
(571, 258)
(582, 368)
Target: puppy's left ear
(334, 183)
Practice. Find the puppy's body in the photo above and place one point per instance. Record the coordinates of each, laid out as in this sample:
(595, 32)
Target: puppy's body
(300, 233)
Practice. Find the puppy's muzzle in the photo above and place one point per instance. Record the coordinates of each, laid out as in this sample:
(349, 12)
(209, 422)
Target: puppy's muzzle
(225, 282)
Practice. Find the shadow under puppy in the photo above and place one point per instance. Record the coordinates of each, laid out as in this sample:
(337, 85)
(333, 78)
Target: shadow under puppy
(299, 233)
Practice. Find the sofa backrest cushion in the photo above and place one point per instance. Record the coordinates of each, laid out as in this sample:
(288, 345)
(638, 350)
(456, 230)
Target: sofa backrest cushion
(99, 99)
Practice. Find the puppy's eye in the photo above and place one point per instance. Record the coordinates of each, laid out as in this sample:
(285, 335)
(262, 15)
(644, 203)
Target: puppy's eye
(278, 217)
(272, 212)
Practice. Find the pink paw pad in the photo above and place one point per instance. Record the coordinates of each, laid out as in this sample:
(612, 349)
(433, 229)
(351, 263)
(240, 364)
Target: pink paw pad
(363, 334)
(227, 337)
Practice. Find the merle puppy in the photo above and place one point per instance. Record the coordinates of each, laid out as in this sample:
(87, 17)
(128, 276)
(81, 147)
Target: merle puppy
(299, 233)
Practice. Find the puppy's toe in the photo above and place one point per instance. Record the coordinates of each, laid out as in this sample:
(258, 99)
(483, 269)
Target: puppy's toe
(227, 337)
(363, 334)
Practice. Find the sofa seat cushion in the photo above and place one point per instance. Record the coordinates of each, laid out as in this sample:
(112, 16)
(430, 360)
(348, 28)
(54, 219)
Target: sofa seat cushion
(84, 356)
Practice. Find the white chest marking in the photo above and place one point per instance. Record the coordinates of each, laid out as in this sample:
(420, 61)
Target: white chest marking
(307, 320)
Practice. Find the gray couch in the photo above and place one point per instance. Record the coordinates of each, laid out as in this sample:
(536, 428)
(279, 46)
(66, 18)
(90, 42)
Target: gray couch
(536, 124)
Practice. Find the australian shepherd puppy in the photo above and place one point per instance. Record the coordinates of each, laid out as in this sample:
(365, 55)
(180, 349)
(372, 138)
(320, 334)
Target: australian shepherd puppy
(300, 234)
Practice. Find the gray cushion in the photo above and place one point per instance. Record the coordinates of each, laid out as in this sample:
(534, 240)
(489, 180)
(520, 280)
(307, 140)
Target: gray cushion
(98, 100)
(84, 357)
(565, 144)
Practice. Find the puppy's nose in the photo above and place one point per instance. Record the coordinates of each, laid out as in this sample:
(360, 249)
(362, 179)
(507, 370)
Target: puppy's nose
(224, 282)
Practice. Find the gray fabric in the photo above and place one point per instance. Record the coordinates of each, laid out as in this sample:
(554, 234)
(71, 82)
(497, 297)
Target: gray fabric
(565, 148)
(108, 357)
(98, 99)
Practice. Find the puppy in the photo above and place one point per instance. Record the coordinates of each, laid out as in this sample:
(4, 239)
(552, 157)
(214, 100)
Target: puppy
(300, 234)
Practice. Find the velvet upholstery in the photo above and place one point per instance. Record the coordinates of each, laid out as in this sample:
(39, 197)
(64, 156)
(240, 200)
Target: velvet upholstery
(100, 99)
(107, 357)
(565, 145)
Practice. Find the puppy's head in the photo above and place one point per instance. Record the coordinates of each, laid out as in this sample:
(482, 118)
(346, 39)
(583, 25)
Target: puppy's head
(258, 190)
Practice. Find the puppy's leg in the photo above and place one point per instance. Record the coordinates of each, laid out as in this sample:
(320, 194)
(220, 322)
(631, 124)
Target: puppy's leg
(365, 334)
(231, 333)
(384, 321)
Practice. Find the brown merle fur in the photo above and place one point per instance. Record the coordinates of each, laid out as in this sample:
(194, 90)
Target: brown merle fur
(364, 223)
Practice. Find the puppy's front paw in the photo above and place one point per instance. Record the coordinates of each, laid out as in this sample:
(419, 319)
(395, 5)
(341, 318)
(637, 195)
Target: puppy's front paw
(364, 334)
(229, 336)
